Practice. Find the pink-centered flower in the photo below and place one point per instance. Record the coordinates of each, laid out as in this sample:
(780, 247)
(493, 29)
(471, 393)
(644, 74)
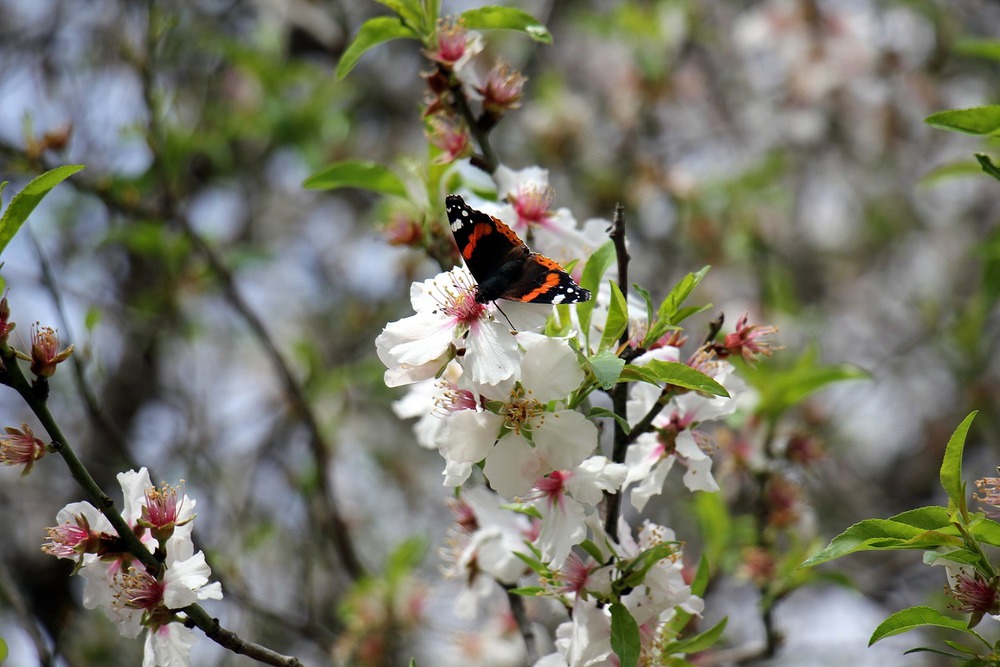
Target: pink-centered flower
(675, 438)
(552, 232)
(163, 512)
(454, 45)
(564, 498)
(523, 439)
(448, 323)
(21, 448)
(502, 90)
(449, 134)
(749, 341)
(484, 541)
(45, 354)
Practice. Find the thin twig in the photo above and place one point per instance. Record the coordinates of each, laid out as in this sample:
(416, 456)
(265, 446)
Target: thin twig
(619, 394)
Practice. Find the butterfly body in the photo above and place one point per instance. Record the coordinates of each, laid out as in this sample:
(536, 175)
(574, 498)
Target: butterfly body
(503, 266)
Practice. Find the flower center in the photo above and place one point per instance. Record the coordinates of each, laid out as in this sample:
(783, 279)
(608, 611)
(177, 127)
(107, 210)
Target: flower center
(461, 303)
(532, 203)
(520, 410)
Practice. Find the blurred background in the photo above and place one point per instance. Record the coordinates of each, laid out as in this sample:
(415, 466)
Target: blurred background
(780, 141)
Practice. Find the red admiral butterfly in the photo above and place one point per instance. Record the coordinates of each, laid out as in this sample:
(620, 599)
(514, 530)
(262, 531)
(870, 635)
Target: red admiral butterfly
(502, 264)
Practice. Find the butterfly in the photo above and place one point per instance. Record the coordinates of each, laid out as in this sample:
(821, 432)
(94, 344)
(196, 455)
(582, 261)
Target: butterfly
(503, 266)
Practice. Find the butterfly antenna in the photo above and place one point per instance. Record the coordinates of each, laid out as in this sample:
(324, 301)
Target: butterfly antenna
(512, 327)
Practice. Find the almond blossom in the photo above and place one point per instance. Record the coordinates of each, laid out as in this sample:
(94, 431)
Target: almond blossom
(565, 498)
(131, 596)
(520, 439)
(674, 437)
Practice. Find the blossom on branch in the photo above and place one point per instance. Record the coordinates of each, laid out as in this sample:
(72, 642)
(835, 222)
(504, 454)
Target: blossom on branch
(21, 447)
(131, 595)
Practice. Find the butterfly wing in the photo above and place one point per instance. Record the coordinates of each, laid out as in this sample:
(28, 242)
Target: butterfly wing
(543, 280)
(486, 243)
(501, 263)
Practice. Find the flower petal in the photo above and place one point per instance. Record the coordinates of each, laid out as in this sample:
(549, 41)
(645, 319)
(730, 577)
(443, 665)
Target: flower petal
(563, 439)
(512, 467)
(469, 436)
(550, 370)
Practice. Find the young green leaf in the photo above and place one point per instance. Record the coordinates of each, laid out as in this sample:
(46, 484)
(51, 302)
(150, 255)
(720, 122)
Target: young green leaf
(633, 373)
(25, 201)
(682, 375)
(986, 531)
(411, 12)
(982, 121)
(607, 367)
(617, 322)
(372, 33)
(987, 164)
(876, 534)
(506, 18)
(680, 292)
(357, 174)
(625, 640)
(951, 466)
(699, 642)
(593, 271)
(914, 617)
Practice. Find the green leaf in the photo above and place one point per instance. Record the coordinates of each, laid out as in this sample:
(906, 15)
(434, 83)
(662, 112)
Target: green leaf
(607, 367)
(372, 33)
(987, 164)
(981, 121)
(624, 636)
(25, 201)
(882, 534)
(3, 649)
(699, 642)
(912, 618)
(986, 530)
(671, 311)
(680, 292)
(933, 517)
(506, 18)
(617, 322)
(410, 11)
(535, 564)
(988, 49)
(644, 293)
(527, 591)
(682, 375)
(357, 174)
(633, 373)
(593, 272)
(951, 466)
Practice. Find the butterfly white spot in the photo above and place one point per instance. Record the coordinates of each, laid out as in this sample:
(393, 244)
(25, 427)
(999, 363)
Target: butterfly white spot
(556, 300)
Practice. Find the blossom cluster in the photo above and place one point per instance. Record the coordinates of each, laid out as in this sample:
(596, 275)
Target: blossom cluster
(505, 393)
(131, 595)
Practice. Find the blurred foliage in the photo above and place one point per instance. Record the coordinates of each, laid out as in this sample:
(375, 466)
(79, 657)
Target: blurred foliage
(782, 142)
